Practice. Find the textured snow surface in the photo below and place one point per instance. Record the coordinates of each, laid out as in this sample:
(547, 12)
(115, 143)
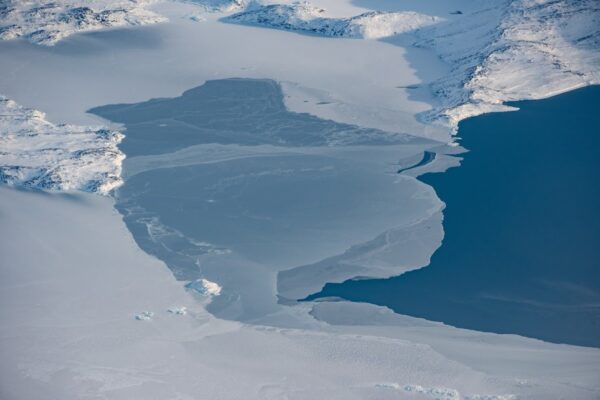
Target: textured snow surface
(39, 154)
(47, 22)
(513, 50)
(64, 338)
(440, 393)
(304, 17)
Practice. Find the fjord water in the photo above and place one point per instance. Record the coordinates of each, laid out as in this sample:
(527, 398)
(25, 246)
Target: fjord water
(225, 183)
(521, 251)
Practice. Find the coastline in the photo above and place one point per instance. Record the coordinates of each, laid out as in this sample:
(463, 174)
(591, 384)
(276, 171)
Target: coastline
(505, 266)
(356, 347)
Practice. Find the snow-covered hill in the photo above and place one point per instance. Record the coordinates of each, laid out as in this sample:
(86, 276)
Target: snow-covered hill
(513, 50)
(38, 154)
(47, 22)
(504, 50)
(303, 17)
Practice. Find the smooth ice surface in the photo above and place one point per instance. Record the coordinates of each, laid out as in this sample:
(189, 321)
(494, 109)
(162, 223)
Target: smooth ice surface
(522, 226)
(225, 177)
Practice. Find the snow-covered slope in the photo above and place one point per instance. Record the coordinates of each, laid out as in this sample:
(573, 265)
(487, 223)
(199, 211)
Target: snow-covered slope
(221, 5)
(503, 50)
(303, 17)
(39, 154)
(47, 22)
(513, 50)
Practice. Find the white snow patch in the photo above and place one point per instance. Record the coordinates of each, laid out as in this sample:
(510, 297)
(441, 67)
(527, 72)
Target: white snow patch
(144, 316)
(178, 310)
(38, 154)
(492, 397)
(440, 393)
(436, 393)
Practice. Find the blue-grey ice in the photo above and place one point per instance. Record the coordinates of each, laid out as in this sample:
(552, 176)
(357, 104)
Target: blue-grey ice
(225, 183)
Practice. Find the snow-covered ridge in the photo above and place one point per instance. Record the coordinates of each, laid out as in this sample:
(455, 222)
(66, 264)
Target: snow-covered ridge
(39, 154)
(47, 22)
(303, 17)
(513, 50)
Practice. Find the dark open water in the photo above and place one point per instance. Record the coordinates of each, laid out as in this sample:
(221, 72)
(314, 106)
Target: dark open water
(521, 252)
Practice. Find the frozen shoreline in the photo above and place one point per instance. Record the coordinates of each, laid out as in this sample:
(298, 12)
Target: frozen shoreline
(343, 350)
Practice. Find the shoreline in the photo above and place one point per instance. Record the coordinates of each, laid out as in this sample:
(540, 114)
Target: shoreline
(495, 312)
(74, 281)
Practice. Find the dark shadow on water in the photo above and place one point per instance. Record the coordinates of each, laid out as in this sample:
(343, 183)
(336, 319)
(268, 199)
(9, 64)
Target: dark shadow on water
(521, 249)
(428, 158)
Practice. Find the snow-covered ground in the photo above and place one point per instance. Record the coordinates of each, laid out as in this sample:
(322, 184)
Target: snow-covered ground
(45, 22)
(303, 17)
(38, 154)
(73, 281)
(492, 51)
(490, 48)
(513, 50)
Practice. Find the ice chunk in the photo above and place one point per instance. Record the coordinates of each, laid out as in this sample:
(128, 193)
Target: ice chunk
(204, 287)
(144, 316)
(178, 310)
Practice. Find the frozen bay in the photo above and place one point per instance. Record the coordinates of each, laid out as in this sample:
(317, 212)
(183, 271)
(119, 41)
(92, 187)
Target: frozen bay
(225, 183)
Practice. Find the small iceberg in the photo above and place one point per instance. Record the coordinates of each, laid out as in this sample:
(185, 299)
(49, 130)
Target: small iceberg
(204, 287)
